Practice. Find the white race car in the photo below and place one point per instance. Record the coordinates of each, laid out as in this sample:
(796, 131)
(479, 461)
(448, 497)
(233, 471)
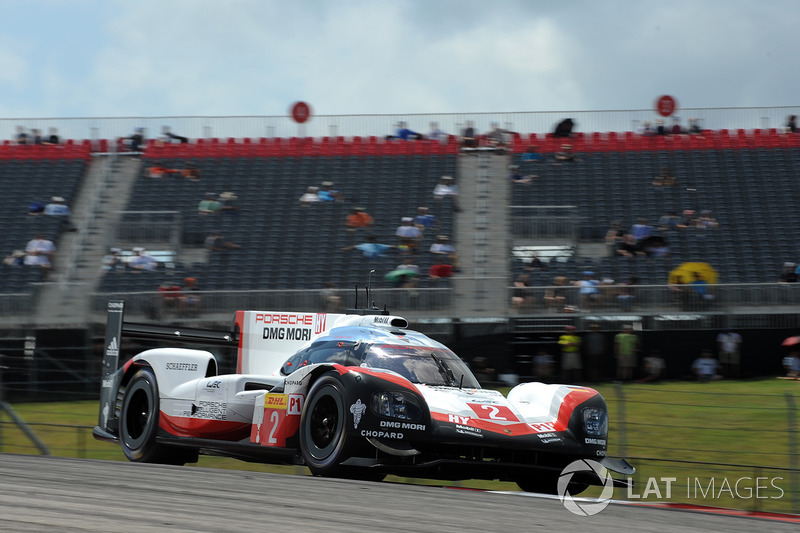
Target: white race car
(355, 394)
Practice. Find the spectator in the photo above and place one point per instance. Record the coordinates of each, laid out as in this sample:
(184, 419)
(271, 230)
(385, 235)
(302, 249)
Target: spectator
(705, 367)
(405, 134)
(209, 205)
(626, 295)
(689, 219)
(40, 252)
(499, 138)
(521, 296)
(227, 203)
(571, 365)
(626, 347)
(694, 127)
(168, 136)
(17, 258)
(628, 247)
(191, 172)
(669, 222)
(645, 130)
(112, 261)
(36, 136)
(564, 128)
(447, 188)
(728, 342)
(404, 273)
(589, 291)
(531, 155)
(665, 177)
(655, 246)
(641, 230)
(543, 365)
(520, 179)
(327, 193)
(188, 299)
(331, 300)
(441, 269)
(136, 140)
(788, 274)
(660, 129)
(706, 220)
(653, 367)
(555, 296)
(441, 247)
(615, 236)
(22, 136)
(372, 248)
(437, 134)
(52, 138)
(594, 344)
(36, 208)
(565, 155)
(58, 208)
(791, 363)
(358, 219)
(676, 126)
(791, 124)
(702, 294)
(217, 243)
(142, 261)
(469, 136)
(425, 220)
(408, 232)
(311, 196)
(533, 263)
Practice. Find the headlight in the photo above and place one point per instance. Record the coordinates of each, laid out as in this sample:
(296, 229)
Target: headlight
(595, 422)
(396, 405)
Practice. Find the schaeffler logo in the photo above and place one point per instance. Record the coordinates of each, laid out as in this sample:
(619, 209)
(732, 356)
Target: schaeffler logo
(586, 507)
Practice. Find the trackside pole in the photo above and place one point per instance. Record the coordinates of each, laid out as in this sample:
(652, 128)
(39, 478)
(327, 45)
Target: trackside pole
(111, 348)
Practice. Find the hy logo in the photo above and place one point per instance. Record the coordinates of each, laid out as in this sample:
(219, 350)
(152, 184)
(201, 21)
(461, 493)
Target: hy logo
(113, 347)
(586, 507)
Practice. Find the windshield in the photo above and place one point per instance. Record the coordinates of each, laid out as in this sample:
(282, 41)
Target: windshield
(421, 364)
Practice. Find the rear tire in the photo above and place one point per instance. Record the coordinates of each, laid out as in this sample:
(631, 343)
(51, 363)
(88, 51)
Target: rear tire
(323, 436)
(138, 424)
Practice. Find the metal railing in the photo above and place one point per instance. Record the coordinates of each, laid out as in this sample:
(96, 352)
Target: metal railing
(545, 222)
(670, 306)
(96, 128)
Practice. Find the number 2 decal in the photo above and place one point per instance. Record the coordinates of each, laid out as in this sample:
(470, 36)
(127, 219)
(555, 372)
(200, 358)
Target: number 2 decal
(500, 413)
(274, 418)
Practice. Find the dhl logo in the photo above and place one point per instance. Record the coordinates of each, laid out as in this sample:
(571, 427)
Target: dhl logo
(276, 401)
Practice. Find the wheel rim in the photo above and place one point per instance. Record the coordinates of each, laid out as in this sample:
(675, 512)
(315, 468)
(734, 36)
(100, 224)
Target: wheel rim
(324, 419)
(139, 413)
(324, 426)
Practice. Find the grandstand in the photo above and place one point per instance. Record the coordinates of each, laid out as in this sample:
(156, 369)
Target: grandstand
(289, 252)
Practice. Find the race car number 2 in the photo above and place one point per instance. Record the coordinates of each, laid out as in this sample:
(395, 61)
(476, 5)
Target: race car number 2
(499, 413)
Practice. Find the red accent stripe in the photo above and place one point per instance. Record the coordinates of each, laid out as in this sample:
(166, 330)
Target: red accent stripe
(386, 376)
(205, 429)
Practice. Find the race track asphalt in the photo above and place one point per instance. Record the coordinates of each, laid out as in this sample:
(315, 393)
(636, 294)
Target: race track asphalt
(65, 495)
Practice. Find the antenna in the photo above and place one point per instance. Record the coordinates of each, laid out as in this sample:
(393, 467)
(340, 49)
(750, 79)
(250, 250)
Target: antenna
(369, 286)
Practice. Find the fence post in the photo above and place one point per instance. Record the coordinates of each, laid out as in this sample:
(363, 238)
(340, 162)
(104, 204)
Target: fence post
(791, 427)
(621, 431)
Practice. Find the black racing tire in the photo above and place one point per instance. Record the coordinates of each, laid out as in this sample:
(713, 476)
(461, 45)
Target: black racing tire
(138, 424)
(323, 434)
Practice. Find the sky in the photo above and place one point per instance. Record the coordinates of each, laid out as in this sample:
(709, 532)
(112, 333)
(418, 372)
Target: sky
(153, 58)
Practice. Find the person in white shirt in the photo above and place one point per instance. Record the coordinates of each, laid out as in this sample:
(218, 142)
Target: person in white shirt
(705, 367)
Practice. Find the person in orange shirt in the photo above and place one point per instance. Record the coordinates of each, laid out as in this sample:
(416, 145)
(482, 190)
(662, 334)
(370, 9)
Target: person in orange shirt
(358, 219)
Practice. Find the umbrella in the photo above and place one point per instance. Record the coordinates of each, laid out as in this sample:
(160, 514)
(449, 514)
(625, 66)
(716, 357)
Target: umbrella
(400, 275)
(685, 273)
(791, 341)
